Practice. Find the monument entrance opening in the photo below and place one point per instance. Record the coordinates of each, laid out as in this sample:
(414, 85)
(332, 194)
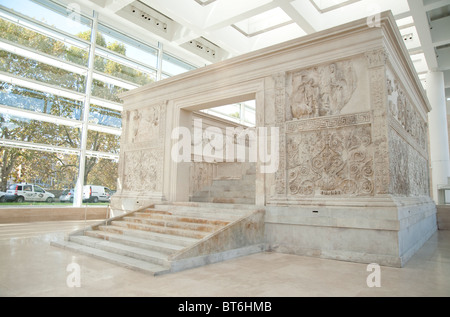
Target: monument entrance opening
(223, 167)
(215, 148)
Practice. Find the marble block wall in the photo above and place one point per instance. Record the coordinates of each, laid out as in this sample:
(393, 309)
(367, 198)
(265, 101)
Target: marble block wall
(352, 181)
(141, 157)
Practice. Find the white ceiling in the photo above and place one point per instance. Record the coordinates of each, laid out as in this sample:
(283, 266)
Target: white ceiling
(207, 31)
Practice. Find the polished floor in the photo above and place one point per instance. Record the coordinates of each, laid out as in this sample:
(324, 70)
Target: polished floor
(31, 267)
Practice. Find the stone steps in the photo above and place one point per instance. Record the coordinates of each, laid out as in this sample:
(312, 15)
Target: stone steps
(147, 240)
(207, 210)
(159, 229)
(146, 235)
(155, 245)
(182, 218)
(138, 253)
(246, 180)
(114, 258)
(226, 194)
(173, 223)
(223, 200)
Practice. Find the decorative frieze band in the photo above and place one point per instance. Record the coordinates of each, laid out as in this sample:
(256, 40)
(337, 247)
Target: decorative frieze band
(328, 123)
(280, 118)
(377, 58)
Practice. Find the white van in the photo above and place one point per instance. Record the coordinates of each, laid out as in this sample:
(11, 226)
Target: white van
(28, 192)
(95, 193)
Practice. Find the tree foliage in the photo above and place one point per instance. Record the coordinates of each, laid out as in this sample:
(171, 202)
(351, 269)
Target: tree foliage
(54, 169)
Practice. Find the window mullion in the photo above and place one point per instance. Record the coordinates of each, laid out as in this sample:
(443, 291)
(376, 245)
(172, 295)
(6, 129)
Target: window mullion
(84, 130)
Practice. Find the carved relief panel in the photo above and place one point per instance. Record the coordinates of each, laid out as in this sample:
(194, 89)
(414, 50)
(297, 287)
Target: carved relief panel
(143, 149)
(409, 169)
(408, 134)
(337, 161)
(145, 124)
(405, 113)
(143, 170)
(328, 148)
(323, 90)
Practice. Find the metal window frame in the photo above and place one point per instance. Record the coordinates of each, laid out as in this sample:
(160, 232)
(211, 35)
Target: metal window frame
(34, 115)
(88, 71)
(55, 149)
(42, 87)
(42, 57)
(42, 28)
(55, 90)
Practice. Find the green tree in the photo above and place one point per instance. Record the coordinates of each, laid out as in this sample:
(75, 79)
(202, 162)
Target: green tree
(38, 165)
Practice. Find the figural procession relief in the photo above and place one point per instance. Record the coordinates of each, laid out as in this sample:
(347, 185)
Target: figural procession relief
(322, 91)
(404, 113)
(408, 143)
(144, 124)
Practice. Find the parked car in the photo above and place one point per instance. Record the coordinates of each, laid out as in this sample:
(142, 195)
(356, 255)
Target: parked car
(95, 193)
(2, 197)
(67, 195)
(28, 192)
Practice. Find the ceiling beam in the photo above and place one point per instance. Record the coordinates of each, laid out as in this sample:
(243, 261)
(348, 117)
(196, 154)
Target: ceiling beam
(242, 16)
(440, 31)
(419, 15)
(115, 5)
(295, 16)
(436, 5)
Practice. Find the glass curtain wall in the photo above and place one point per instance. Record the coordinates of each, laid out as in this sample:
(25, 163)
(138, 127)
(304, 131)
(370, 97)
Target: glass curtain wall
(44, 64)
(243, 113)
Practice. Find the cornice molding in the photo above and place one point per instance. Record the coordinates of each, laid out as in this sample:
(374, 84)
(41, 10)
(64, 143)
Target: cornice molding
(261, 63)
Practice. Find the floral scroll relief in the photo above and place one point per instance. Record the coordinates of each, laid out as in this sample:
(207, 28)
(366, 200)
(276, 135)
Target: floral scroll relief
(331, 162)
(322, 91)
(143, 170)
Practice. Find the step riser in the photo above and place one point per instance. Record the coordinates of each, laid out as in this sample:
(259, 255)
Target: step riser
(247, 179)
(172, 224)
(211, 216)
(182, 219)
(176, 207)
(131, 254)
(164, 230)
(224, 194)
(222, 200)
(232, 191)
(155, 212)
(217, 214)
(145, 235)
(101, 235)
(78, 248)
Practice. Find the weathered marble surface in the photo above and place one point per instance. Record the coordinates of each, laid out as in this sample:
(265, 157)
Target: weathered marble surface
(352, 120)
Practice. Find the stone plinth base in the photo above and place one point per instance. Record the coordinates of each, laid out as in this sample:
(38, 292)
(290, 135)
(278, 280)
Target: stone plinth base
(385, 231)
(122, 203)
